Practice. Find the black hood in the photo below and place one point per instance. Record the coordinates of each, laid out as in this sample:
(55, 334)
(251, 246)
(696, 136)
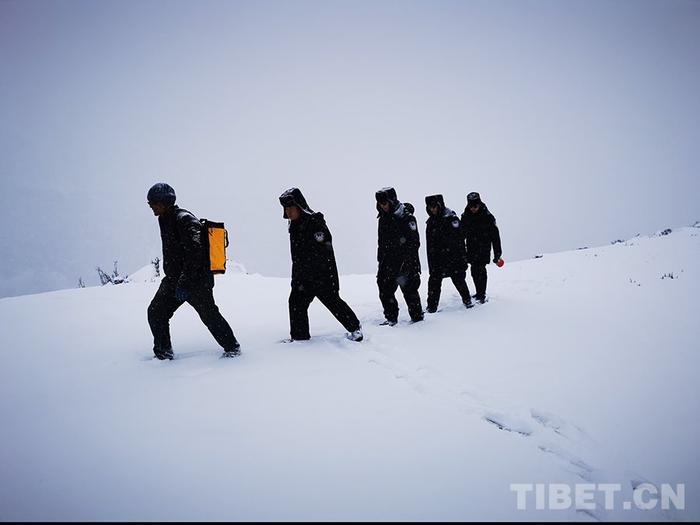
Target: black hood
(294, 197)
(431, 200)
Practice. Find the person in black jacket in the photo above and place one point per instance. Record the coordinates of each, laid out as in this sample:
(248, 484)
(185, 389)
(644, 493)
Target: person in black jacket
(447, 255)
(314, 271)
(187, 276)
(481, 232)
(397, 256)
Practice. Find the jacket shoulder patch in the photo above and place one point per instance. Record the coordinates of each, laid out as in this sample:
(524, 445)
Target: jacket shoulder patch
(319, 236)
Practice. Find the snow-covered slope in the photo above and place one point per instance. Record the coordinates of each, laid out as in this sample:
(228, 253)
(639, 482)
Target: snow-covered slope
(582, 367)
(148, 273)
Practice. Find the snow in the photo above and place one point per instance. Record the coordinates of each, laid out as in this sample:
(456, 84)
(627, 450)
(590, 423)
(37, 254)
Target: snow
(148, 274)
(581, 367)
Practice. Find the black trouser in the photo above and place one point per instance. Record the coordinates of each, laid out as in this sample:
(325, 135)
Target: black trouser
(435, 285)
(479, 276)
(201, 298)
(409, 287)
(299, 300)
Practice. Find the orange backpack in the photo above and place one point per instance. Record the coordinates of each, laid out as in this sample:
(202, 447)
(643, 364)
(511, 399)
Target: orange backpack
(216, 242)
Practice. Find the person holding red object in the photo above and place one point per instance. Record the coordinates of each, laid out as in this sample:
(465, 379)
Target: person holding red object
(481, 233)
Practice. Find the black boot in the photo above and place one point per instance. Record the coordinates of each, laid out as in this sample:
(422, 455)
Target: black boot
(234, 351)
(164, 354)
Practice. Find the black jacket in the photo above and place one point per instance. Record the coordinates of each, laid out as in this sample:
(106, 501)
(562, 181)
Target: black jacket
(313, 260)
(184, 258)
(398, 242)
(481, 233)
(447, 254)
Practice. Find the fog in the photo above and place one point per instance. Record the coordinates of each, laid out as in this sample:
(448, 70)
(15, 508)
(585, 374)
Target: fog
(578, 122)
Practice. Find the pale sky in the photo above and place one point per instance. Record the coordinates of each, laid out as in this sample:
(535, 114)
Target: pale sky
(577, 121)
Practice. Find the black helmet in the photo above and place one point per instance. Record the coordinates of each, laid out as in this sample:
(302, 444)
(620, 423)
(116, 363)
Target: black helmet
(161, 192)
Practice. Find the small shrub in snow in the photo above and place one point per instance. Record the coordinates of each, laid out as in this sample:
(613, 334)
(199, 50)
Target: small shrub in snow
(665, 232)
(668, 276)
(156, 266)
(105, 278)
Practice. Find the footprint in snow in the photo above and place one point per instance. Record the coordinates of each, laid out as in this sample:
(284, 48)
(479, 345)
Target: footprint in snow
(584, 470)
(509, 423)
(558, 425)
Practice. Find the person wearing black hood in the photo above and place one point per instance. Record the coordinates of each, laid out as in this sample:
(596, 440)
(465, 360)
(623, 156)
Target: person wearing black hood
(187, 276)
(447, 255)
(481, 232)
(314, 271)
(397, 255)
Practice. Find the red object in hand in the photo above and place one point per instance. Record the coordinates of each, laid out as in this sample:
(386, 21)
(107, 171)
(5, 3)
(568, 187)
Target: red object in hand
(500, 263)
